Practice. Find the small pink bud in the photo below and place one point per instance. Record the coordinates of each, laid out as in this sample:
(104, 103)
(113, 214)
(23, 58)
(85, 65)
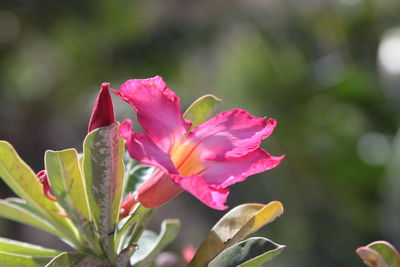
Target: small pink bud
(103, 110)
(188, 253)
(42, 177)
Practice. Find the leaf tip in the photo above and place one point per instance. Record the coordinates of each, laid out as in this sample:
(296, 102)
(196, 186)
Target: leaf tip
(213, 97)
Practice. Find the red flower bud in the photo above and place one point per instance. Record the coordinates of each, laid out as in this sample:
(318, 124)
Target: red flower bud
(103, 110)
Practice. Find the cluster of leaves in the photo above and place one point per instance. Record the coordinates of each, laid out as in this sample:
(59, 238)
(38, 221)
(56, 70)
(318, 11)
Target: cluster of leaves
(89, 187)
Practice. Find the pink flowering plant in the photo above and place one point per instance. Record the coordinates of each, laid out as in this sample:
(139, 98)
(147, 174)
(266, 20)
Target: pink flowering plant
(100, 201)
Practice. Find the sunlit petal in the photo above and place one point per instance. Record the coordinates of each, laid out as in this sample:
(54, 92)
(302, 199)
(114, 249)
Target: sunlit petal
(212, 195)
(158, 110)
(231, 171)
(231, 134)
(143, 149)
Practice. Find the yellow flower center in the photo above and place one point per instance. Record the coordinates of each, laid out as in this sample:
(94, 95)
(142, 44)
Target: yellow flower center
(186, 158)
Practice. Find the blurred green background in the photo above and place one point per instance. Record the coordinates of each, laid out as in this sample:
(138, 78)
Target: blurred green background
(327, 70)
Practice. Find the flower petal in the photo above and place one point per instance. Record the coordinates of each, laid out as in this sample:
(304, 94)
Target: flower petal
(103, 110)
(143, 149)
(158, 110)
(127, 205)
(234, 170)
(213, 196)
(157, 190)
(230, 134)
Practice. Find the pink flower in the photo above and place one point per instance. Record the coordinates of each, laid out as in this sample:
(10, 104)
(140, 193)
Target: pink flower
(103, 110)
(204, 161)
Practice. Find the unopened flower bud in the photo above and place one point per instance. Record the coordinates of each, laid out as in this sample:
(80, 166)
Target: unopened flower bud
(103, 110)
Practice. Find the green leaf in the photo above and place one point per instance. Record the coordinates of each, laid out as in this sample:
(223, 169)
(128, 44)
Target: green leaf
(104, 173)
(149, 246)
(136, 176)
(387, 251)
(371, 257)
(22, 248)
(233, 227)
(268, 213)
(379, 254)
(15, 260)
(67, 184)
(132, 238)
(145, 245)
(35, 217)
(78, 260)
(249, 253)
(22, 214)
(125, 226)
(22, 180)
(201, 110)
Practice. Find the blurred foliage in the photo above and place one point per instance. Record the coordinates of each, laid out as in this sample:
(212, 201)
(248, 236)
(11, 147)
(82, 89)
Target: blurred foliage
(310, 64)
